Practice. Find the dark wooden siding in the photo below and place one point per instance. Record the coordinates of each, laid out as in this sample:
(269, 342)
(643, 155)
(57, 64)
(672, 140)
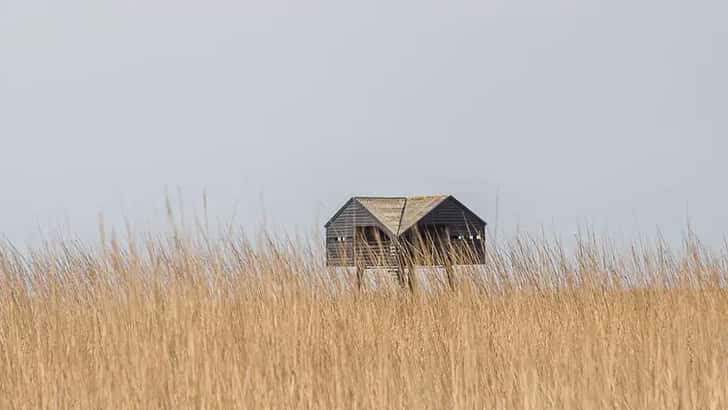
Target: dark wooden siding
(340, 253)
(466, 230)
(353, 217)
(374, 247)
(460, 220)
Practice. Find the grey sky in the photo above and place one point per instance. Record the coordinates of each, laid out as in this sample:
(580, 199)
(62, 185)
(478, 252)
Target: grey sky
(570, 111)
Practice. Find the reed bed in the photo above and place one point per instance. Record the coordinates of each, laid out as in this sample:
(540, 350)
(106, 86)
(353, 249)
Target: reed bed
(192, 320)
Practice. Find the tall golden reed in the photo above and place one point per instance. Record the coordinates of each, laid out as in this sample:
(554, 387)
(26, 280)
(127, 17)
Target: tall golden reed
(188, 321)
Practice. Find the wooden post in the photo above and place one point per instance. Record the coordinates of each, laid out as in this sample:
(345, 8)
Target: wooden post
(449, 274)
(400, 272)
(357, 264)
(411, 277)
(447, 261)
(359, 276)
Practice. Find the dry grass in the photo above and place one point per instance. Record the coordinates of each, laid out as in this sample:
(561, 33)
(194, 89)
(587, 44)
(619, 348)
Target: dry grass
(189, 322)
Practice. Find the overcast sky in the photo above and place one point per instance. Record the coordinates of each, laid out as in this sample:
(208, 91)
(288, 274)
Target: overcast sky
(611, 113)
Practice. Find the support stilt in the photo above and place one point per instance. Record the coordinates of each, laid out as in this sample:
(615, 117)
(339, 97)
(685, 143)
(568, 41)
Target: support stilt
(450, 275)
(411, 278)
(401, 275)
(359, 276)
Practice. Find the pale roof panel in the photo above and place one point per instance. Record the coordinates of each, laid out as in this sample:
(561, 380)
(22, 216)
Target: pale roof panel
(417, 208)
(387, 210)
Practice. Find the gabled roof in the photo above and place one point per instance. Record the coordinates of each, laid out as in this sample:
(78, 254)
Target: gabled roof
(416, 208)
(387, 210)
(397, 214)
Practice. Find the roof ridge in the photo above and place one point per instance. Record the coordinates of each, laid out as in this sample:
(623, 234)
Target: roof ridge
(380, 197)
(386, 211)
(399, 197)
(433, 203)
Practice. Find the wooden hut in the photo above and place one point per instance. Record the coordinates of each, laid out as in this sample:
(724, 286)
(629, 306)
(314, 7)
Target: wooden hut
(395, 232)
